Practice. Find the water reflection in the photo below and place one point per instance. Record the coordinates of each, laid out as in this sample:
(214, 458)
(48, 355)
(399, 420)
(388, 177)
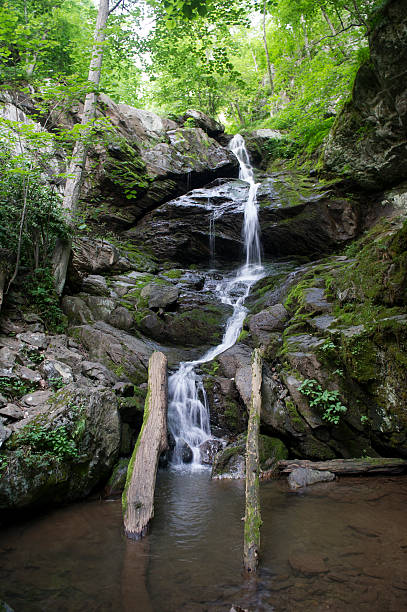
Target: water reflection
(340, 546)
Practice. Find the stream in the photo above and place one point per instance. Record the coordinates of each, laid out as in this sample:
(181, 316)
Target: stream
(338, 546)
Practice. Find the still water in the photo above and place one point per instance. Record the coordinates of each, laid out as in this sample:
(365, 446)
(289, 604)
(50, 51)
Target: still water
(339, 546)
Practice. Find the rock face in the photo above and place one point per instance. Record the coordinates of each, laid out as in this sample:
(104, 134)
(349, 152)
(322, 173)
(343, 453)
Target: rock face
(368, 143)
(44, 472)
(180, 230)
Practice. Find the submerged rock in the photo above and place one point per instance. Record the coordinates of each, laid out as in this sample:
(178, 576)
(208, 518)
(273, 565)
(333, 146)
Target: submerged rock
(305, 477)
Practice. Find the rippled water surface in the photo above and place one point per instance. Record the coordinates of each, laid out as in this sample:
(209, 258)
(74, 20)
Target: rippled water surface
(339, 546)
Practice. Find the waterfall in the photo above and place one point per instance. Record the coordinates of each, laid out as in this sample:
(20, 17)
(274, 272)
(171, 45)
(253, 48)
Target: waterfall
(212, 237)
(188, 412)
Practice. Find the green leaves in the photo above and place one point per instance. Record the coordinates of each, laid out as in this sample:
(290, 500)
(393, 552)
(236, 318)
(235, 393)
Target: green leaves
(327, 402)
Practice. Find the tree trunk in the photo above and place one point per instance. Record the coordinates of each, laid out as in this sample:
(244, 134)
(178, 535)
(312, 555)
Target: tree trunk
(138, 495)
(252, 515)
(3, 277)
(266, 50)
(77, 165)
(332, 28)
(306, 42)
(350, 467)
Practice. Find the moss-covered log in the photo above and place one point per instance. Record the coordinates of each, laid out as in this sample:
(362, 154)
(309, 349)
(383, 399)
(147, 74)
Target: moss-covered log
(138, 495)
(348, 467)
(252, 515)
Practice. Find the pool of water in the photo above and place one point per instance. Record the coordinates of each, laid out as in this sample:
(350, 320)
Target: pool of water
(338, 546)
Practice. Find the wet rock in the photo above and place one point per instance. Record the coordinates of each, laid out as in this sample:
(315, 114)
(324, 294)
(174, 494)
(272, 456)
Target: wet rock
(117, 480)
(208, 450)
(95, 284)
(307, 563)
(76, 310)
(185, 452)
(265, 322)
(3, 400)
(92, 414)
(152, 325)
(228, 415)
(158, 295)
(230, 463)
(237, 356)
(305, 477)
(197, 326)
(314, 300)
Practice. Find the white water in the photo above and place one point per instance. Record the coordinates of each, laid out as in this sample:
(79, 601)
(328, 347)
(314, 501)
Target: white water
(188, 412)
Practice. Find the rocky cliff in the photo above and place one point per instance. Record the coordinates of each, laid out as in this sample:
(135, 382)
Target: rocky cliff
(164, 214)
(368, 143)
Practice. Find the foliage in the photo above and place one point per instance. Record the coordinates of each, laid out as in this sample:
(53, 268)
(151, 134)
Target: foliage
(39, 440)
(14, 388)
(328, 402)
(42, 296)
(31, 218)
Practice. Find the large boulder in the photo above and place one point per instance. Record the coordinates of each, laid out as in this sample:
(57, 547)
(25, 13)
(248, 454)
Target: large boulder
(63, 454)
(122, 353)
(368, 142)
(209, 125)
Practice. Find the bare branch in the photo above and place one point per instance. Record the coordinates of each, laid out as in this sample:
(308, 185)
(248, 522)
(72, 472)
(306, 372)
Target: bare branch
(352, 25)
(116, 5)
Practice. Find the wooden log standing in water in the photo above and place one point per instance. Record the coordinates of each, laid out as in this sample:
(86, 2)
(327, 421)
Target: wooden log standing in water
(138, 495)
(252, 514)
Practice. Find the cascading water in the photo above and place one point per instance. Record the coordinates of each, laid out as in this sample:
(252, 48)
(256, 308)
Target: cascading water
(188, 413)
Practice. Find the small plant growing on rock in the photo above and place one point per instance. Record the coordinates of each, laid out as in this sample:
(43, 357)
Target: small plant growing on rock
(328, 402)
(14, 388)
(35, 441)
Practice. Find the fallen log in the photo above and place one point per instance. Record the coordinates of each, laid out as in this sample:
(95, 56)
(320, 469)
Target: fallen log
(347, 467)
(252, 519)
(138, 494)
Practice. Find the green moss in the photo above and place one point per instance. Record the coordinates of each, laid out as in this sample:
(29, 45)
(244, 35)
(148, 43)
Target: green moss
(127, 171)
(271, 450)
(242, 336)
(134, 454)
(211, 368)
(295, 418)
(174, 273)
